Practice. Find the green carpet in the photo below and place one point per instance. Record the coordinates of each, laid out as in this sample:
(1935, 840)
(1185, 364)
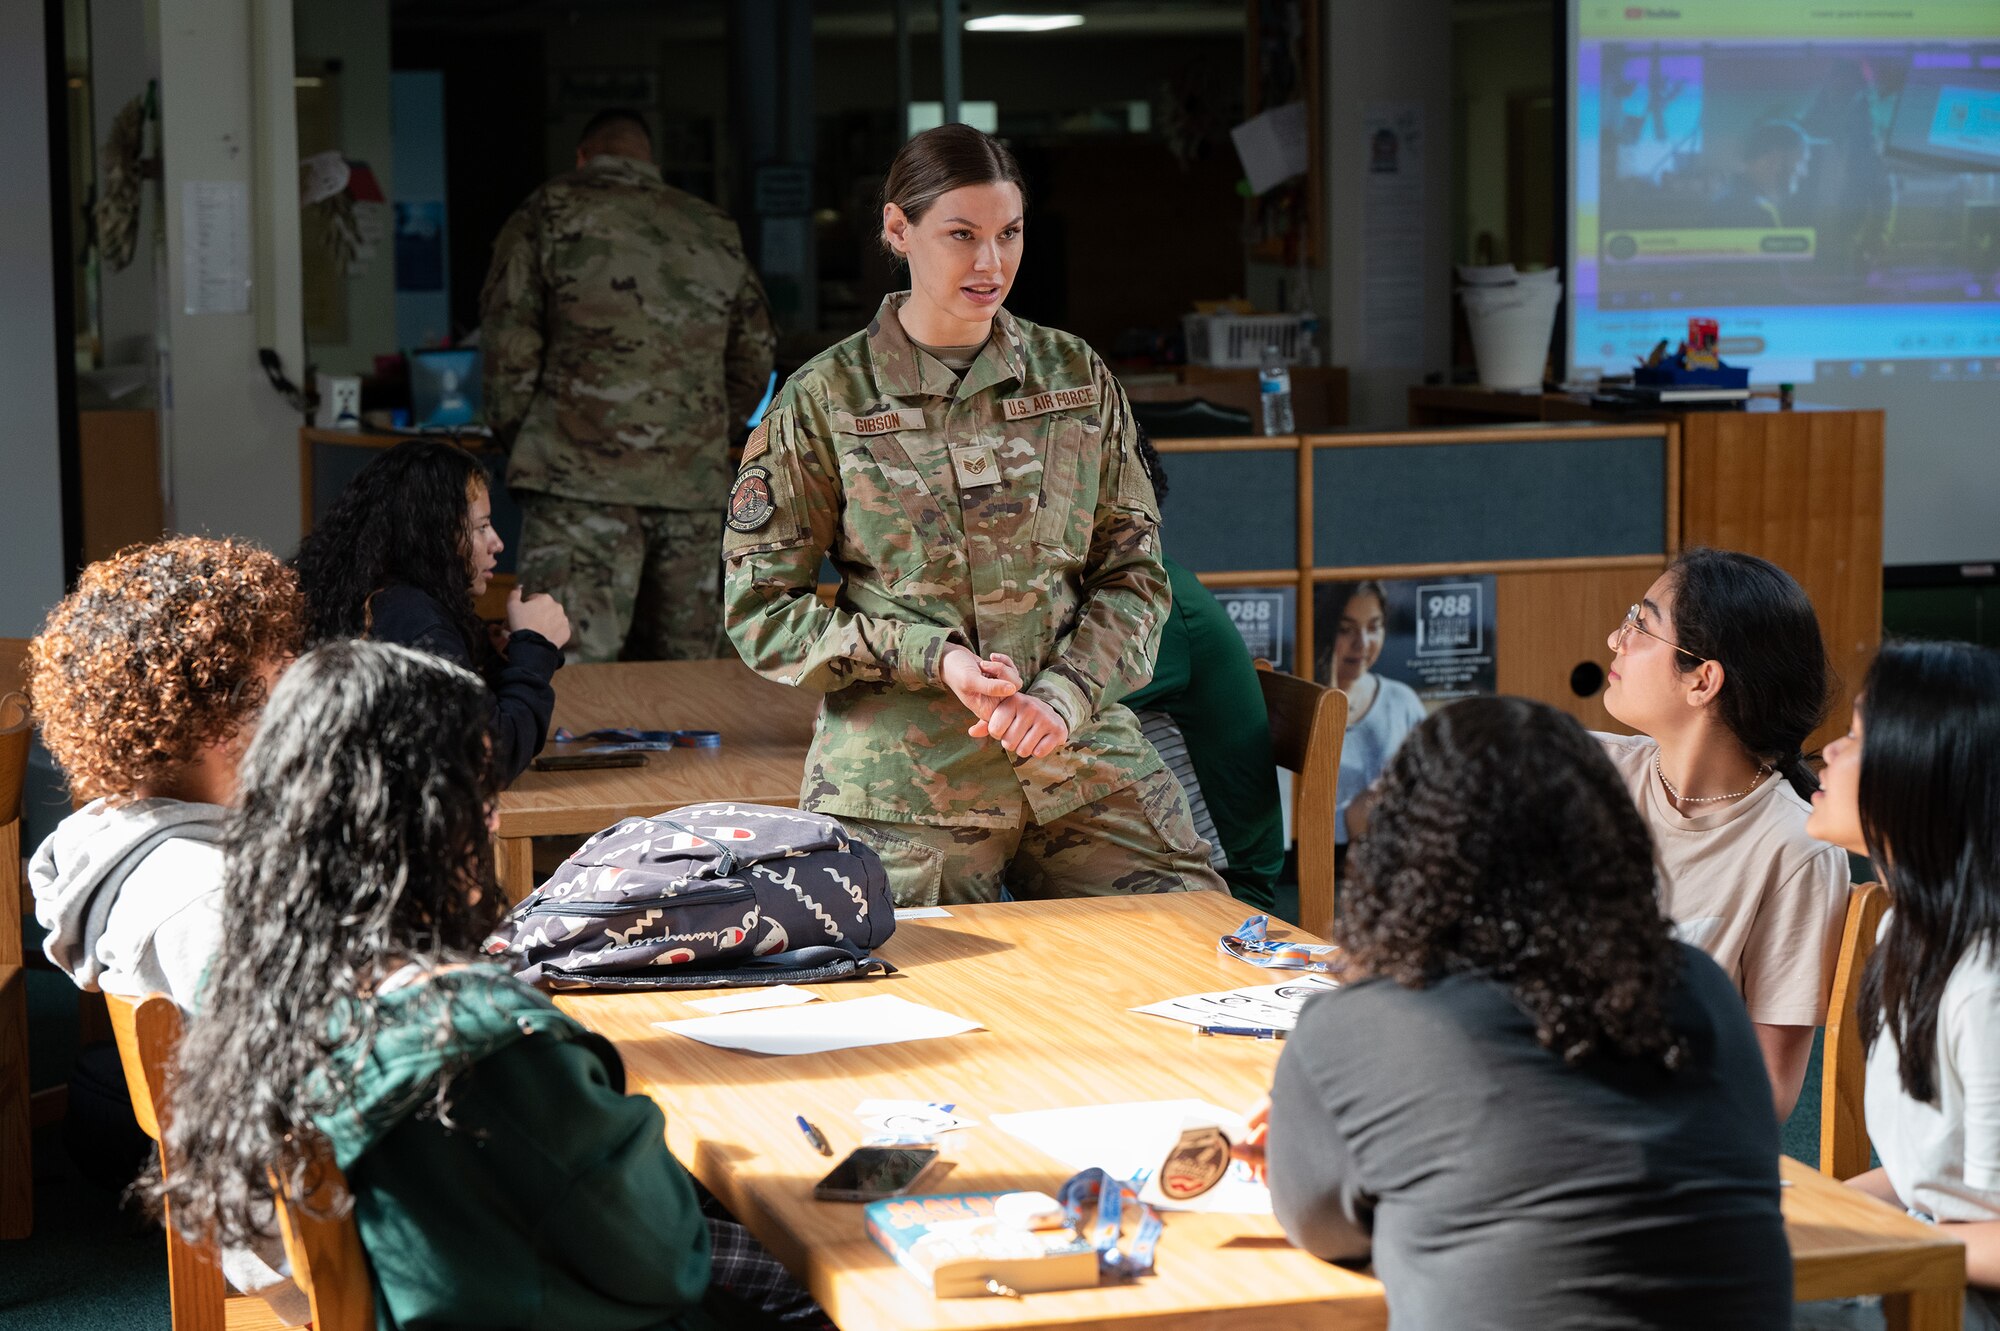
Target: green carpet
(90, 1263)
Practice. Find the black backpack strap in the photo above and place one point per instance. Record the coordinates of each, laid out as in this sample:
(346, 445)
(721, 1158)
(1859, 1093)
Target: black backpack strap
(725, 866)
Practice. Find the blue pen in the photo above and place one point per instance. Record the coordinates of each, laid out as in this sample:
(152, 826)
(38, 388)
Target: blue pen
(1254, 1032)
(813, 1135)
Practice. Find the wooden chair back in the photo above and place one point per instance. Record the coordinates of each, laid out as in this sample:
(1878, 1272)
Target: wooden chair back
(16, 734)
(148, 1032)
(1843, 1126)
(17, 1175)
(1308, 726)
(327, 1261)
(17, 1171)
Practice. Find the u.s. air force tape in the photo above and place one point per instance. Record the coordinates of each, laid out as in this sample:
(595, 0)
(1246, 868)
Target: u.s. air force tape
(750, 504)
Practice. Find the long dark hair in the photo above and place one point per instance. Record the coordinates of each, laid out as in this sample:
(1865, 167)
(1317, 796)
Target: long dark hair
(359, 844)
(1339, 596)
(1929, 798)
(401, 520)
(1504, 844)
(1754, 618)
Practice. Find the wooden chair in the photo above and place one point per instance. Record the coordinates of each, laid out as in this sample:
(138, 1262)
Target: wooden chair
(1843, 1127)
(1308, 726)
(17, 1175)
(326, 1255)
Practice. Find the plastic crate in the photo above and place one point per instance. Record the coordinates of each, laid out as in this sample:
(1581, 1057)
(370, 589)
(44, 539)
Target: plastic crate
(1234, 341)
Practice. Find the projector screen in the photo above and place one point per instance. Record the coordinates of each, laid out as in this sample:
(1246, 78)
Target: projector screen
(1824, 181)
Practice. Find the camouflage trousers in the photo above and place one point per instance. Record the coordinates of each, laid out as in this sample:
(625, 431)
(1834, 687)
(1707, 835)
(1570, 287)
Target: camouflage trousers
(1132, 842)
(644, 583)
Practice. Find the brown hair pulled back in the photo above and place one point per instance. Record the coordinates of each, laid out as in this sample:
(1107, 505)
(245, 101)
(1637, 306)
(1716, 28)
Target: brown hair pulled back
(943, 159)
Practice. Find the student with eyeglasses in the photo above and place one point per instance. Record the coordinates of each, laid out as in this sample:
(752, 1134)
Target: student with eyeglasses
(1722, 672)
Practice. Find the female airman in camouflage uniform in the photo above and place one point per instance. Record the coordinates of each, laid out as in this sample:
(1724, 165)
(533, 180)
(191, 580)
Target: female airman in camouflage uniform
(975, 481)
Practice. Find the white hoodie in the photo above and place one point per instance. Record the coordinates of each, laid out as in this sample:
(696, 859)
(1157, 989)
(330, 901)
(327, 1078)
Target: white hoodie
(131, 895)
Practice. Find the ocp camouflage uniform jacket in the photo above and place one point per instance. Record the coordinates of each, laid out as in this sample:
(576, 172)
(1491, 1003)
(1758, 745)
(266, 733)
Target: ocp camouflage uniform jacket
(625, 336)
(1008, 512)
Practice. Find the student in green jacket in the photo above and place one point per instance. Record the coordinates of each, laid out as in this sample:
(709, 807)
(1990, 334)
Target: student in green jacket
(500, 1176)
(1204, 679)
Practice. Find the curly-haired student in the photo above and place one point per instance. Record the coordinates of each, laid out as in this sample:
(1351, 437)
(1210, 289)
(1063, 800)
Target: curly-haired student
(146, 683)
(1528, 1103)
(498, 1172)
(403, 556)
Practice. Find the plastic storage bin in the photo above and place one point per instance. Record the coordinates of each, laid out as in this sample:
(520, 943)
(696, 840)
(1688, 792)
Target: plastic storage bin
(1237, 341)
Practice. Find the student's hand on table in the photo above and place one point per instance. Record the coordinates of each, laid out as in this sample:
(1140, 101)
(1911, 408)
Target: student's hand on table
(1251, 1149)
(979, 684)
(1024, 725)
(540, 613)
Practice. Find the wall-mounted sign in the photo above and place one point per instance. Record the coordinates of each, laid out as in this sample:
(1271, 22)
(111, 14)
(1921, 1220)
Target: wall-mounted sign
(1266, 619)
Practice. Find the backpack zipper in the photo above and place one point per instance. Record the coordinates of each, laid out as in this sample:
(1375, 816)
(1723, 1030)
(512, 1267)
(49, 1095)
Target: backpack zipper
(720, 895)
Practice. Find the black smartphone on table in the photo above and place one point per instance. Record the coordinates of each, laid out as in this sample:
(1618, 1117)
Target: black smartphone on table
(577, 762)
(871, 1173)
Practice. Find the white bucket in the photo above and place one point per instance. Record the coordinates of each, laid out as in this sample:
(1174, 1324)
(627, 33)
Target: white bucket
(1510, 331)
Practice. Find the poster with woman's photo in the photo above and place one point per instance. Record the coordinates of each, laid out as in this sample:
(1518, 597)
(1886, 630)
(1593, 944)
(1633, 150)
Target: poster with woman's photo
(1399, 648)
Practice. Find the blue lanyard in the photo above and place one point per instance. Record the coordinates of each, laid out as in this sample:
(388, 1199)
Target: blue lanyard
(1110, 1195)
(628, 740)
(1252, 943)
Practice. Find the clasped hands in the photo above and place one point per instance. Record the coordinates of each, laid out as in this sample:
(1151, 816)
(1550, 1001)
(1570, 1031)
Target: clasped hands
(991, 688)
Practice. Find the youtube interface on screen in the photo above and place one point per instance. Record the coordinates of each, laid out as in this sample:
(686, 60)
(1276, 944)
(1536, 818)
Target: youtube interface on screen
(1824, 180)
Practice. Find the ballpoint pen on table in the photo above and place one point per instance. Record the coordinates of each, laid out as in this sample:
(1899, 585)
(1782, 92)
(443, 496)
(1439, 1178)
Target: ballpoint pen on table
(1254, 1032)
(814, 1135)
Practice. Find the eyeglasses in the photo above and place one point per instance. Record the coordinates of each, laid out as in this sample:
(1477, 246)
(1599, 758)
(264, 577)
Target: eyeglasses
(1631, 622)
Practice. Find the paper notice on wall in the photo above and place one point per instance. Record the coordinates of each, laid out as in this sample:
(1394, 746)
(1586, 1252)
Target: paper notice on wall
(215, 243)
(1273, 146)
(1392, 236)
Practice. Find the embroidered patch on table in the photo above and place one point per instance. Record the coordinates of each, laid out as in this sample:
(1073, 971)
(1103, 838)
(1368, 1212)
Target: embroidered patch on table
(1057, 399)
(750, 504)
(1195, 1165)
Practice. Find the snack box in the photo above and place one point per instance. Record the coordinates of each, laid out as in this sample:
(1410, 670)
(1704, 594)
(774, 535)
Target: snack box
(953, 1243)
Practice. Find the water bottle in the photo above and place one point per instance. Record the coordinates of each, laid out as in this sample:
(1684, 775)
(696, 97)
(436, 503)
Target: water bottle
(1274, 393)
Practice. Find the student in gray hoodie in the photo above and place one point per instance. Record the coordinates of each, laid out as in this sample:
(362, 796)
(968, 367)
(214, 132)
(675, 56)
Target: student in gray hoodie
(146, 684)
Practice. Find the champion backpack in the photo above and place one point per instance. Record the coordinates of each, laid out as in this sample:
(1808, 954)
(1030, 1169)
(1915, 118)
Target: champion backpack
(706, 896)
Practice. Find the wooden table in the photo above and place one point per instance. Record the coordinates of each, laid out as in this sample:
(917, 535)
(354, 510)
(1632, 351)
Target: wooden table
(1024, 970)
(1050, 982)
(765, 729)
(1846, 1243)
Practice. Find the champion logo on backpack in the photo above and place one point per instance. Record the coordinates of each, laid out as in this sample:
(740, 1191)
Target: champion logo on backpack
(682, 841)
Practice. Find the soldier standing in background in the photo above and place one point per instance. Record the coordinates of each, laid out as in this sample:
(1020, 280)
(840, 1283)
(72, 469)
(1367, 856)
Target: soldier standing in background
(626, 339)
(977, 483)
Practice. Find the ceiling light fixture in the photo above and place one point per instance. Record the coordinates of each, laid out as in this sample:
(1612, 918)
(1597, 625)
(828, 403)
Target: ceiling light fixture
(1023, 22)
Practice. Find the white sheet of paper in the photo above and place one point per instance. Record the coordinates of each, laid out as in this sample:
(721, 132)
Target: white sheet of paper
(1273, 146)
(1273, 1005)
(922, 913)
(820, 1027)
(778, 995)
(911, 1118)
(1131, 1140)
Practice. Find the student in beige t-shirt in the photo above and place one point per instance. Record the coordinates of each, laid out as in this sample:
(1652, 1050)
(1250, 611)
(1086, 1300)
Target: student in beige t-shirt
(1722, 671)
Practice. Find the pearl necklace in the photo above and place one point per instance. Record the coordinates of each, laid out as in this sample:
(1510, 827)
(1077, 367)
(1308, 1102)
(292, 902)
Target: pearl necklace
(1762, 771)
